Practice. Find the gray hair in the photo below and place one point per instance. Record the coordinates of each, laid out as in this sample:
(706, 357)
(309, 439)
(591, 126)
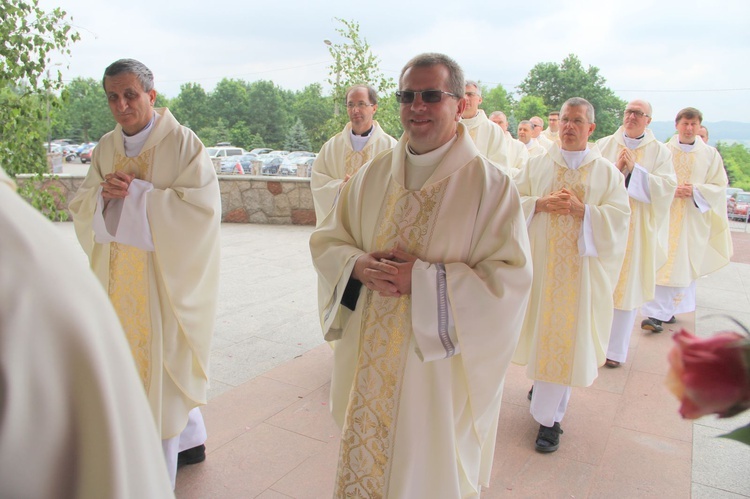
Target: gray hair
(472, 83)
(580, 102)
(456, 82)
(526, 122)
(144, 75)
(372, 94)
(499, 113)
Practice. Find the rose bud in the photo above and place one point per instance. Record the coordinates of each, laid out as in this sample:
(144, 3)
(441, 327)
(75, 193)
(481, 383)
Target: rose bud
(710, 375)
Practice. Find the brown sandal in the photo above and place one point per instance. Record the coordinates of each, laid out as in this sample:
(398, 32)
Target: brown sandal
(612, 363)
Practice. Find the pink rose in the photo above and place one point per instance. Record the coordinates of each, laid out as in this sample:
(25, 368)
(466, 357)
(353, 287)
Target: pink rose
(710, 375)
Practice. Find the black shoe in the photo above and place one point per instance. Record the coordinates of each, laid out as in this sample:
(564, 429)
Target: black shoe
(531, 392)
(548, 438)
(670, 321)
(652, 324)
(192, 456)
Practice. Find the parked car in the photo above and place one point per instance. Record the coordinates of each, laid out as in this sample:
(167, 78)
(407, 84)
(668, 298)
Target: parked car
(292, 161)
(233, 164)
(271, 165)
(223, 151)
(740, 209)
(261, 150)
(85, 156)
(278, 153)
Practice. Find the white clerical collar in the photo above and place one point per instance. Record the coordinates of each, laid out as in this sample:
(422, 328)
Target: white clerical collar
(530, 144)
(687, 147)
(470, 122)
(574, 158)
(134, 143)
(429, 158)
(360, 141)
(419, 167)
(632, 143)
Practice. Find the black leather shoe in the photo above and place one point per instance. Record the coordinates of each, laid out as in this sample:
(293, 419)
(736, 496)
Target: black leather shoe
(192, 456)
(531, 392)
(652, 324)
(670, 321)
(548, 438)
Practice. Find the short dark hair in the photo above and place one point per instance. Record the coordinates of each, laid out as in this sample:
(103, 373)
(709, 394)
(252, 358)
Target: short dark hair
(689, 113)
(144, 75)
(456, 81)
(371, 93)
(581, 102)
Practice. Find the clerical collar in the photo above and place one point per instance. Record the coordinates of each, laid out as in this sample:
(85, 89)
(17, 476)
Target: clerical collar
(134, 143)
(632, 143)
(368, 132)
(574, 158)
(686, 147)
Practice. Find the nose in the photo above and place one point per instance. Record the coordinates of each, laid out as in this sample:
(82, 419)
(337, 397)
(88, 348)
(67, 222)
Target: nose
(418, 103)
(121, 104)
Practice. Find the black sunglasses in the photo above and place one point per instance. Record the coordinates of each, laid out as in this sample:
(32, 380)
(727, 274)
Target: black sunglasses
(429, 96)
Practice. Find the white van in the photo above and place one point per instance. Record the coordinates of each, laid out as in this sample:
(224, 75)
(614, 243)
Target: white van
(224, 151)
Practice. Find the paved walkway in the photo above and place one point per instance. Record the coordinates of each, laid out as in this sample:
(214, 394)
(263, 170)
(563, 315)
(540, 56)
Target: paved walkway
(271, 435)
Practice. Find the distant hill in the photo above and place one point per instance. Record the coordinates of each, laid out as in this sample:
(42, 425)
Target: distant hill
(725, 131)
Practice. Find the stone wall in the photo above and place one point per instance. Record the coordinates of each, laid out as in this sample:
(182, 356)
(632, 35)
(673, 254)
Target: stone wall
(244, 198)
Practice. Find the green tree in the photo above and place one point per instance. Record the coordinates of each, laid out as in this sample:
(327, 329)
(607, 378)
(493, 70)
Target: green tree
(353, 64)
(266, 112)
(314, 110)
(530, 106)
(495, 99)
(296, 138)
(84, 115)
(239, 135)
(228, 102)
(555, 83)
(29, 37)
(212, 135)
(191, 106)
(737, 164)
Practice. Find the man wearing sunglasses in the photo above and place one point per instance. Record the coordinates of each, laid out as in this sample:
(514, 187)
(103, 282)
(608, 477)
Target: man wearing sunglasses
(536, 132)
(425, 270)
(577, 211)
(646, 166)
(489, 139)
(340, 158)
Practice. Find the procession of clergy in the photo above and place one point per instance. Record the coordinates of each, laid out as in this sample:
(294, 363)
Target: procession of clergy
(442, 257)
(624, 224)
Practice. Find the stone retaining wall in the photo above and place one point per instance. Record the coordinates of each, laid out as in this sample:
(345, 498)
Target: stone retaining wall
(244, 198)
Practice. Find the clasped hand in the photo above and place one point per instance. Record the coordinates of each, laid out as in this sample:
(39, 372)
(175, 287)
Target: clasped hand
(387, 272)
(116, 185)
(684, 191)
(562, 202)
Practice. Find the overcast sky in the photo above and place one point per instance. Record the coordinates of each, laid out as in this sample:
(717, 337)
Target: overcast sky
(672, 53)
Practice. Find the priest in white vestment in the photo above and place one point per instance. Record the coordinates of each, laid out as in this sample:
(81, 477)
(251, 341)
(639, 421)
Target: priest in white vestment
(148, 216)
(577, 210)
(536, 132)
(74, 420)
(699, 238)
(345, 153)
(436, 235)
(487, 136)
(552, 132)
(518, 155)
(525, 136)
(646, 166)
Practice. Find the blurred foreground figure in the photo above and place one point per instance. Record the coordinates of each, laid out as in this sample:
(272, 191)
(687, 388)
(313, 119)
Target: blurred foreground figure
(74, 421)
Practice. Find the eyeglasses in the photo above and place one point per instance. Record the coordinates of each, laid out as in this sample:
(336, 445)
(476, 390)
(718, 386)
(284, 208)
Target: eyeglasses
(636, 113)
(428, 96)
(576, 122)
(471, 94)
(358, 105)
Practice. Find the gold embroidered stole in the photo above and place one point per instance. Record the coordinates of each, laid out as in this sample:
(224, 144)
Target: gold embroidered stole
(683, 167)
(558, 325)
(355, 159)
(128, 280)
(622, 282)
(370, 427)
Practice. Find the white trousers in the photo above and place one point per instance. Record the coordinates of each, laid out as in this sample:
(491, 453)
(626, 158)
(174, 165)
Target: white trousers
(193, 435)
(619, 336)
(670, 301)
(549, 402)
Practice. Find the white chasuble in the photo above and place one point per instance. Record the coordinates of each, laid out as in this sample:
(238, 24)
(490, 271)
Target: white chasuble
(648, 230)
(699, 243)
(166, 298)
(337, 159)
(414, 428)
(566, 329)
(490, 140)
